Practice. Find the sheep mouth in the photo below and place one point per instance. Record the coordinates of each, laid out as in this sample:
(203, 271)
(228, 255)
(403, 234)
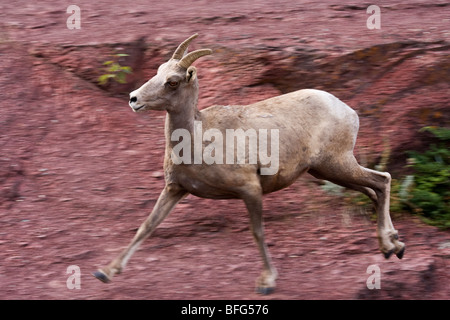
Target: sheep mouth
(138, 108)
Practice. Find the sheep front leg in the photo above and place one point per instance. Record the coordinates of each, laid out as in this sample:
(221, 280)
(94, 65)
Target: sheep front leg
(265, 284)
(168, 198)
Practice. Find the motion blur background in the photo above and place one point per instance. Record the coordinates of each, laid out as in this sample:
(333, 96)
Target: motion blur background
(79, 171)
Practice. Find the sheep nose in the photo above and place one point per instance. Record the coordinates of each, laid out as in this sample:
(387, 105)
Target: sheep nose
(133, 99)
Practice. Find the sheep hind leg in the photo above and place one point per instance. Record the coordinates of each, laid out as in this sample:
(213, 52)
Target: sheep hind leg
(376, 185)
(365, 190)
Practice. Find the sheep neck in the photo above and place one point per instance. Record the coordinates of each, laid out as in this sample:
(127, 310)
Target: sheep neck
(182, 118)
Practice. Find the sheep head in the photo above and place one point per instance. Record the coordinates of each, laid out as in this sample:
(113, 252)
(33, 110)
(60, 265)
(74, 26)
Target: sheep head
(174, 84)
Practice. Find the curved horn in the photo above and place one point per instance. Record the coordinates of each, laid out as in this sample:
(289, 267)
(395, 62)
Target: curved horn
(192, 56)
(178, 54)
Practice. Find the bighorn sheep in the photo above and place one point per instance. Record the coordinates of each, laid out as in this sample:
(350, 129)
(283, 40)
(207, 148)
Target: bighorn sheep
(317, 134)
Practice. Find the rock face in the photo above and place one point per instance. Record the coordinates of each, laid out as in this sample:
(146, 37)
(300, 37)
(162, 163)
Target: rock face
(397, 88)
(79, 171)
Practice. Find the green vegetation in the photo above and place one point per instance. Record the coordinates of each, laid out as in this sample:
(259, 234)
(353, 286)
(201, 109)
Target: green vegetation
(430, 195)
(114, 70)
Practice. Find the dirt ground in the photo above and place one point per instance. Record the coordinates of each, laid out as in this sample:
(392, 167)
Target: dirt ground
(79, 171)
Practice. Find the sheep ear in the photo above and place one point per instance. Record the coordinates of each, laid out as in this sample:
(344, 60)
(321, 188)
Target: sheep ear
(191, 74)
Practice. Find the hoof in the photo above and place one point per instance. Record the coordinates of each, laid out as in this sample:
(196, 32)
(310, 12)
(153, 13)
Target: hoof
(400, 253)
(388, 254)
(101, 276)
(264, 291)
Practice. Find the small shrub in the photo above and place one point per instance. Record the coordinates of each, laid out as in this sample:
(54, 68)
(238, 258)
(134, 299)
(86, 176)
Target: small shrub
(114, 70)
(430, 195)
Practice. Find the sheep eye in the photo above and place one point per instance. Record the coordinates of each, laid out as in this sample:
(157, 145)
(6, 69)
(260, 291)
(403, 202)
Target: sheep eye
(173, 84)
